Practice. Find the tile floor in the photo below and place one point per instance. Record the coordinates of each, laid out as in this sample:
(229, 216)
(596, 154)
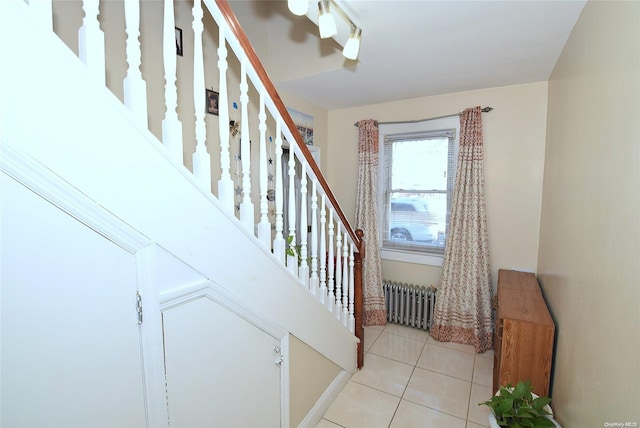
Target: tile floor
(410, 380)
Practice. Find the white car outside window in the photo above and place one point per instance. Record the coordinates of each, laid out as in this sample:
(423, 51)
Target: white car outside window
(411, 220)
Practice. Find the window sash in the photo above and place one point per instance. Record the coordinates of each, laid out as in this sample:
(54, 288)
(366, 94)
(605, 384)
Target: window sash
(422, 224)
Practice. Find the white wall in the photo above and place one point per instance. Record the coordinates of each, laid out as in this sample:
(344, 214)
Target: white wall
(514, 137)
(590, 230)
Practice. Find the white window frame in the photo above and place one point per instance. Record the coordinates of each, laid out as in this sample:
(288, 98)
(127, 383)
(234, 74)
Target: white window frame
(408, 256)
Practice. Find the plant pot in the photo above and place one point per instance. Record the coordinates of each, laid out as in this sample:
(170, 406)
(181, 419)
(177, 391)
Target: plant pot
(494, 424)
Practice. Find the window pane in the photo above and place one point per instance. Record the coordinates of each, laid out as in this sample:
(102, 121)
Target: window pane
(420, 164)
(417, 185)
(417, 220)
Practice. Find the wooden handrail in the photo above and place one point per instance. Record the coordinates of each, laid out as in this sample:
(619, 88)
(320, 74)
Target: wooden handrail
(237, 30)
(358, 309)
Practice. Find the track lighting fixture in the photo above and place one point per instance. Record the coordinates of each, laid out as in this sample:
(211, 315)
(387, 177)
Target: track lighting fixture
(326, 21)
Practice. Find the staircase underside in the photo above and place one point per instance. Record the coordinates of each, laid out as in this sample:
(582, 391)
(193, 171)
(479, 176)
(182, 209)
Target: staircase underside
(61, 122)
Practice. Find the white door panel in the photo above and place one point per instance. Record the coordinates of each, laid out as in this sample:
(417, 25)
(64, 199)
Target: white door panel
(221, 369)
(70, 344)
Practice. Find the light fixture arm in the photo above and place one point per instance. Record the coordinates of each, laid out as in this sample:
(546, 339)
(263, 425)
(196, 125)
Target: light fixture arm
(342, 14)
(352, 46)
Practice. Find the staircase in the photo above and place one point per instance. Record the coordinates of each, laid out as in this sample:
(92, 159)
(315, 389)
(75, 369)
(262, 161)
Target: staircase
(146, 272)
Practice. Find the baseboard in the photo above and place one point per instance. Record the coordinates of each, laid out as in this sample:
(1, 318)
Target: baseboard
(322, 405)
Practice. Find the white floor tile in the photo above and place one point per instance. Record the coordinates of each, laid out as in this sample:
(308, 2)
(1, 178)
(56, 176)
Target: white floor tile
(457, 346)
(397, 348)
(375, 327)
(358, 406)
(417, 416)
(483, 371)
(475, 425)
(384, 374)
(438, 391)
(486, 354)
(370, 336)
(479, 394)
(447, 361)
(410, 332)
(326, 424)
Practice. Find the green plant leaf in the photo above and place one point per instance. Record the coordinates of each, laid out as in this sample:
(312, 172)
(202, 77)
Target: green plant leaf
(505, 406)
(521, 389)
(527, 423)
(540, 402)
(542, 422)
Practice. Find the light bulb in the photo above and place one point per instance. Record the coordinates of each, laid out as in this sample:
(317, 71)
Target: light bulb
(352, 47)
(326, 22)
(298, 7)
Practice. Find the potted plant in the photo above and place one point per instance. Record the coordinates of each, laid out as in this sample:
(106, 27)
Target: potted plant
(519, 407)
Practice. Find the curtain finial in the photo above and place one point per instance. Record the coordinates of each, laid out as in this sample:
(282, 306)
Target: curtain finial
(366, 121)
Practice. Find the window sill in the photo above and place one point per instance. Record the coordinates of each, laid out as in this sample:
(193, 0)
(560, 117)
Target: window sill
(411, 257)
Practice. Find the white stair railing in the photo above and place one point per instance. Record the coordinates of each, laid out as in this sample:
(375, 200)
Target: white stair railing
(171, 126)
(279, 243)
(331, 284)
(135, 88)
(225, 183)
(314, 279)
(247, 216)
(91, 41)
(320, 247)
(201, 157)
(264, 227)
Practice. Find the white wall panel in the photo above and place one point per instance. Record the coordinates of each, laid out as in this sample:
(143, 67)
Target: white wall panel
(70, 343)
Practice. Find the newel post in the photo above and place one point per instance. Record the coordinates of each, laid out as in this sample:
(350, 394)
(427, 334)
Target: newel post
(358, 297)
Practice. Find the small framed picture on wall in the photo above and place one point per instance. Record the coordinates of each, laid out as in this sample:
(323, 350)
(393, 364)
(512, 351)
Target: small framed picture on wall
(212, 102)
(178, 41)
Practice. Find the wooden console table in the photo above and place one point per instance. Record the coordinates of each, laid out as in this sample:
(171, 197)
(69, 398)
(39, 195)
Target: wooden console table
(524, 333)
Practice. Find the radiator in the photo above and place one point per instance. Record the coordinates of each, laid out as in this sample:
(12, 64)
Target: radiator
(409, 304)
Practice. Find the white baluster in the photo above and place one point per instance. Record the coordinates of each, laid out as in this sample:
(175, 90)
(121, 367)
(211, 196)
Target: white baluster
(135, 88)
(345, 281)
(91, 41)
(264, 227)
(171, 125)
(225, 184)
(323, 251)
(313, 281)
(292, 261)
(303, 274)
(247, 214)
(278, 241)
(352, 320)
(331, 300)
(338, 308)
(201, 158)
(42, 12)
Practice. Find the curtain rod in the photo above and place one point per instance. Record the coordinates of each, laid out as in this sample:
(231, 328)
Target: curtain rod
(484, 110)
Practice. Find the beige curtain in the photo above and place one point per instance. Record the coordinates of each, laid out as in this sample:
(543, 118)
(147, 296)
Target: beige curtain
(375, 312)
(463, 306)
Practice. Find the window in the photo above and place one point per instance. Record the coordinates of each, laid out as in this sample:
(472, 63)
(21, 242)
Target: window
(417, 175)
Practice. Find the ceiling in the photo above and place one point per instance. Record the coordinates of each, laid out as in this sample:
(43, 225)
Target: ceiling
(409, 49)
